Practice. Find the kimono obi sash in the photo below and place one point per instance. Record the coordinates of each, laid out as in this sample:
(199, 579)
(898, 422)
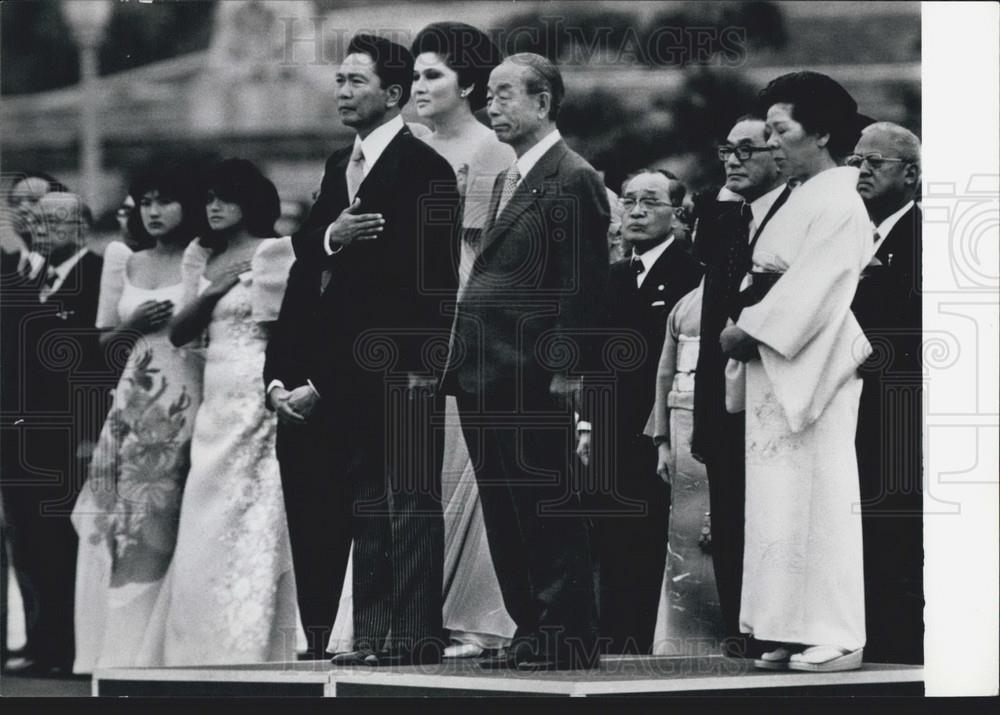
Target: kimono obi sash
(760, 285)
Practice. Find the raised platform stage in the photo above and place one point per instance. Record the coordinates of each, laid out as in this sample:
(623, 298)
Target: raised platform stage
(618, 675)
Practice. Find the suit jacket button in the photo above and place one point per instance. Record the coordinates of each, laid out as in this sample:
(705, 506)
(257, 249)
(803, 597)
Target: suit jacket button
(659, 287)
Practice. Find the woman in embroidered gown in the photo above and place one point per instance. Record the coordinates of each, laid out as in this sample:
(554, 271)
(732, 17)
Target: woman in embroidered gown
(232, 591)
(126, 515)
(802, 567)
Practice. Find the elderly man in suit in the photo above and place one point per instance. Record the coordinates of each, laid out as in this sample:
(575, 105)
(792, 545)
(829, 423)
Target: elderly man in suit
(52, 420)
(533, 291)
(632, 504)
(888, 306)
(724, 240)
(350, 371)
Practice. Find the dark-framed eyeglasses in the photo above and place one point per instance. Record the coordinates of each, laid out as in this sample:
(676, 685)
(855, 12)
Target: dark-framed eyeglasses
(644, 204)
(743, 152)
(875, 160)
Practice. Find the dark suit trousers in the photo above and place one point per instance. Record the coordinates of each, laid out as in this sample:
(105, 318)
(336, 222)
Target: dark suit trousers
(726, 470)
(391, 454)
(318, 508)
(40, 536)
(538, 537)
(889, 465)
(631, 515)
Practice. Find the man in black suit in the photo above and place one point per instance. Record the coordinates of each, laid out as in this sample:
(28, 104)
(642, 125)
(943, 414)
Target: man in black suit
(350, 371)
(888, 305)
(630, 502)
(532, 293)
(724, 240)
(56, 384)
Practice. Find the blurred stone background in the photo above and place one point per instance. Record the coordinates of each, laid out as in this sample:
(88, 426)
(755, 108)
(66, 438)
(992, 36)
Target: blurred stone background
(648, 82)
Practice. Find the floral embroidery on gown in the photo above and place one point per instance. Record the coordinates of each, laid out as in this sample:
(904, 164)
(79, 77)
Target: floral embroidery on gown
(232, 595)
(127, 514)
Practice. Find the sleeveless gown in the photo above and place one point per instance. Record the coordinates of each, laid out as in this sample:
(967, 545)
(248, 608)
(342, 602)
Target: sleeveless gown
(127, 514)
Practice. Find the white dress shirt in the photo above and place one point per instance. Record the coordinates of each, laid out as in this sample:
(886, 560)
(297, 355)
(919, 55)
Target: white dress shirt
(526, 162)
(61, 271)
(372, 146)
(885, 228)
(649, 258)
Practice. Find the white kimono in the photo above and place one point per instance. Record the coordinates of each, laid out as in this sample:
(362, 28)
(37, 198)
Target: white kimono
(802, 563)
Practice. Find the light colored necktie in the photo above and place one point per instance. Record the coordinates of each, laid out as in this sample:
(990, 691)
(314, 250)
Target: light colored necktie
(355, 172)
(509, 184)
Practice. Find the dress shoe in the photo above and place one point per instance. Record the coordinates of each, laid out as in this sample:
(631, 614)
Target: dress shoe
(547, 662)
(29, 667)
(352, 657)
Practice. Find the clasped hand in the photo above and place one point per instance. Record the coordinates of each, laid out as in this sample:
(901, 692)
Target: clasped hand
(352, 226)
(294, 406)
(738, 344)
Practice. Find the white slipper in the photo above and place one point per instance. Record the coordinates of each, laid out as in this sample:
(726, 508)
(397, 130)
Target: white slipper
(776, 659)
(463, 650)
(826, 659)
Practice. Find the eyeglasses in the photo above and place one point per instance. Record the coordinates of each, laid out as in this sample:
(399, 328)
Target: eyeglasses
(875, 160)
(645, 204)
(743, 152)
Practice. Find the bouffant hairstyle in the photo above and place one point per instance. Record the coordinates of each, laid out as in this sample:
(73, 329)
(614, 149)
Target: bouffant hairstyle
(393, 63)
(467, 51)
(238, 181)
(53, 183)
(169, 180)
(820, 104)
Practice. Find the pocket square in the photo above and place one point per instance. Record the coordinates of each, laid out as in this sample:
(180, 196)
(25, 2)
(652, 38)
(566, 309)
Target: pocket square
(657, 304)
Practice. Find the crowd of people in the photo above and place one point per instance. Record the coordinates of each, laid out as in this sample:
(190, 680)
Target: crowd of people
(436, 419)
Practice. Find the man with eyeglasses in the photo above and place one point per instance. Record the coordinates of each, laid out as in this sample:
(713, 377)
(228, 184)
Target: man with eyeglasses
(631, 507)
(724, 242)
(888, 307)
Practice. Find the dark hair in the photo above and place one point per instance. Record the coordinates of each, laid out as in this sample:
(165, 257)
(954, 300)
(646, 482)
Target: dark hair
(676, 189)
(172, 180)
(19, 176)
(820, 104)
(544, 77)
(467, 50)
(393, 63)
(238, 181)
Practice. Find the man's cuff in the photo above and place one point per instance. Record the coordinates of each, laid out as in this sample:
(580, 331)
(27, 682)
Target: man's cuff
(583, 426)
(273, 384)
(327, 245)
(313, 388)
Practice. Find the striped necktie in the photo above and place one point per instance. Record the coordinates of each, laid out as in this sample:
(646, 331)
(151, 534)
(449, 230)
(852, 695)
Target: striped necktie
(509, 184)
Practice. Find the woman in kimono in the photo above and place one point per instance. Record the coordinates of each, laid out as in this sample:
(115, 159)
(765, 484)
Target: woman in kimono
(802, 568)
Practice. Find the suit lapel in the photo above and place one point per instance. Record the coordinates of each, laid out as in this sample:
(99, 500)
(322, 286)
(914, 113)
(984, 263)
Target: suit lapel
(895, 242)
(376, 185)
(531, 188)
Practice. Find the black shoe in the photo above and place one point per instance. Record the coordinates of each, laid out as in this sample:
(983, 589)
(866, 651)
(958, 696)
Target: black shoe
(352, 657)
(498, 660)
(29, 667)
(543, 662)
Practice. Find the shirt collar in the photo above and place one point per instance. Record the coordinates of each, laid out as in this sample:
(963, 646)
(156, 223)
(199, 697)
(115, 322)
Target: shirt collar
(527, 161)
(762, 204)
(375, 143)
(61, 271)
(885, 228)
(650, 257)
(36, 261)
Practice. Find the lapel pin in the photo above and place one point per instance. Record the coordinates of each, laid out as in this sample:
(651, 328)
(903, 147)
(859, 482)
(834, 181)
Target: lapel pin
(660, 287)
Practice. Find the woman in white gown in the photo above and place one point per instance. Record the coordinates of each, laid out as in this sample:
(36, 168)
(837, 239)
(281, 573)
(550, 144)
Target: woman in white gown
(453, 64)
(232, 590)
(126, 515)
(802, 568)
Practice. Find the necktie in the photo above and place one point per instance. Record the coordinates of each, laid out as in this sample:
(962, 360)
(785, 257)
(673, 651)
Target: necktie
(638, 268)
(740, 258)
(50, 277)
(355, 172)
(875, 236)
(509, 184)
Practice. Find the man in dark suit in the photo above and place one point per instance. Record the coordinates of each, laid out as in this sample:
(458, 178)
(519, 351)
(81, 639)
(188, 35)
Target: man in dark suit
(888, 305)
(631, 503)
(533, 291)
(724, 240)
(350, 371)
(56, 384)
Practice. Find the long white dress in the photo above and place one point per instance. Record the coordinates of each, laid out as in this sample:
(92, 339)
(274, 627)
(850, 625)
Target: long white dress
(232, 590)
(127, 513)
(802, 566)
